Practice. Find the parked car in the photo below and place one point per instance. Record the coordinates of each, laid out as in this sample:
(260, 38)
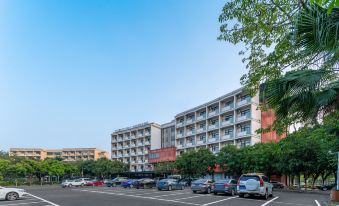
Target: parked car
(85, 179)
(116, 181)
(71, 183)
(202, 185)
(277, 185)
(127, 183)
(186, 181)
(328, 187)
(254, 184)
(226, 186)
(177, 177)
(11, 193)
(94, 183)
(170, 184)
(144, 183)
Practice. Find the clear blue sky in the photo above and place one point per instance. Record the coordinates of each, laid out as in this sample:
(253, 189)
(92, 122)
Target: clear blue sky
(73, 71)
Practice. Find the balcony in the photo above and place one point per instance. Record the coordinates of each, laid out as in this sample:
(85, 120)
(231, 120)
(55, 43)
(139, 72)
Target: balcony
(213, 126)
(213, 139)
(212, 113)
(133, 154)
(215, 151)
(126, 146)
(146, 161)
(243, 102)
(114, 148)
(133, 161)
(179, 135)
(132, 136)
(114, 140)
(191, 132)
(201, 142)
(140, 134)
(201, 117)
(243, 133)
(114, 156)
(140, 144)
(120, 139)
(140, 153)
(147, 143)
(132, 145)
(189, 121)
(119, 155)
(244, 117)
(189, 144)
(146, 152)
(140, 161)
(227, 136)
(200, 130)
(179, 146)
(227, 122)
(127, 138)
(119, 147)
(227, 108)
(180, 124)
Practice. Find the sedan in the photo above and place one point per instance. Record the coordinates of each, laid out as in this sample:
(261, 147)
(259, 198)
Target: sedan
(116, 181)
(128, 183)
(169, 184)
(202, 185)
(144, 183)
(328, 187)
(94, 183)
(227, 186)
(11, 193)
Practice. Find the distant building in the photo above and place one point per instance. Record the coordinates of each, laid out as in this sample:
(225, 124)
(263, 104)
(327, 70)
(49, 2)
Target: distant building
(168, 134)
(67, 154)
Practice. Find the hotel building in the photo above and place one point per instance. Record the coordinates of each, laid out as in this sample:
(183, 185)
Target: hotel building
(229, 119)
(67, 154)
(131, 145)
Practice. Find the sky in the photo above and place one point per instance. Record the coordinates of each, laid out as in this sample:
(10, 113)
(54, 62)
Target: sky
(71, 72)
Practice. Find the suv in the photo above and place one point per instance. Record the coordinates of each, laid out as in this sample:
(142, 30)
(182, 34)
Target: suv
(254, 184)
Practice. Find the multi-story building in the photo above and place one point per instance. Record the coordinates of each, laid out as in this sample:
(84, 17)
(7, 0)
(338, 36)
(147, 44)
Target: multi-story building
(131, 145)
(67, 154)
(229, 119)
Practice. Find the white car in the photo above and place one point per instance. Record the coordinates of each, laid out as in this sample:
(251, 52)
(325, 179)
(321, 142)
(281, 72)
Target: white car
(254, 184)
(71, 183)
(11, 193)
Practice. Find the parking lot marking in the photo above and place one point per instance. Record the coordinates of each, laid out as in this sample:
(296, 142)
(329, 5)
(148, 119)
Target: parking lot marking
(176, 193)
(23, 203)
(218, 201)
(268, 202)
(316, 202)
(190, 197)
(144, 197)
(51, 203)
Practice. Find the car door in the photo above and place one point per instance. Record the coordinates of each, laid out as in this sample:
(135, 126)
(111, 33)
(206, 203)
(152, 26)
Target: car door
(268, 184)
(176, 184)
(2, 193)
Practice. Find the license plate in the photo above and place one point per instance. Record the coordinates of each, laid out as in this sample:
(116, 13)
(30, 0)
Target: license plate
(242, 187)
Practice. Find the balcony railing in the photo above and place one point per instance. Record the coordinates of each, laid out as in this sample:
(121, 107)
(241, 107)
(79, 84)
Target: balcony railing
(140, 144)
(244, 117)
(227, 122)
(119, 155)
(179, 135)
(212, 113)
(140, 153)
(227, 136)
(140, 134)
(201, 142)
(190, 144)
(215, 151)
(189, 121)
(132, 145)
(179, 146)
(191, 132)
(201, 130)
(119, 147)
(243, 133)
(146, 152)
(213, 126)
(132, 136)
(147, 143)
(133, 162)
(226, 108)
(243, 102)
(201, 117)
(140, 161)
(213, 139)
(145, 161)
(147, 133)
(120, 139)
(180, 124)
(133, 154)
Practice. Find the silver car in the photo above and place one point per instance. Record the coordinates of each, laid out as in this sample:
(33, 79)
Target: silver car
(254, 185)
(202, 185)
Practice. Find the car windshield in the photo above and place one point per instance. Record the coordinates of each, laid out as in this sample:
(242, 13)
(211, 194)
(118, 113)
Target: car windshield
(222, 181)
(249, 177)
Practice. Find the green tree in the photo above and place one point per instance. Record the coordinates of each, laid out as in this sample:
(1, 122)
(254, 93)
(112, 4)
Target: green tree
(163, 168)
(229, 159)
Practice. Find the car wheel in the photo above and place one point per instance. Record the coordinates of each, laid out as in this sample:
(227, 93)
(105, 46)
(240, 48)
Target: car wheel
(169, 188)
(82, 185)
(271, 195)
(194, 191)
(70, 185)
(215, 193)
(159, 189)
(182, 187)
(266, 195)
(12, 196)
(241, 195)
(208, 190)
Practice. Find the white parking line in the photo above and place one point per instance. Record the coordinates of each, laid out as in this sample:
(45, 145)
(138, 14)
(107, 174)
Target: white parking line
(23, 203)
(268, 202)
(51, 203)
(218, 201)
(316, 202)
(177, 193)
(143, 197)
(190, 197)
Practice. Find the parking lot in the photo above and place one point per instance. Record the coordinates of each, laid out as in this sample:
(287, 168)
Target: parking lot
(95, 196)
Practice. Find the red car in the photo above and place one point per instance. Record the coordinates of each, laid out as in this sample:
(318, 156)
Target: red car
(94, 183)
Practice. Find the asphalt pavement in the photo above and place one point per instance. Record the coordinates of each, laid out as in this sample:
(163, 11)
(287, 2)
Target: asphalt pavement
(102, 196)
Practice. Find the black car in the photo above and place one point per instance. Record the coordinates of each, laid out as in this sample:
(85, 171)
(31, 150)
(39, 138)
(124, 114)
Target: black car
(144, 183)
(328, 187)
(116, 181)
(226, 186)
(277, 185)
